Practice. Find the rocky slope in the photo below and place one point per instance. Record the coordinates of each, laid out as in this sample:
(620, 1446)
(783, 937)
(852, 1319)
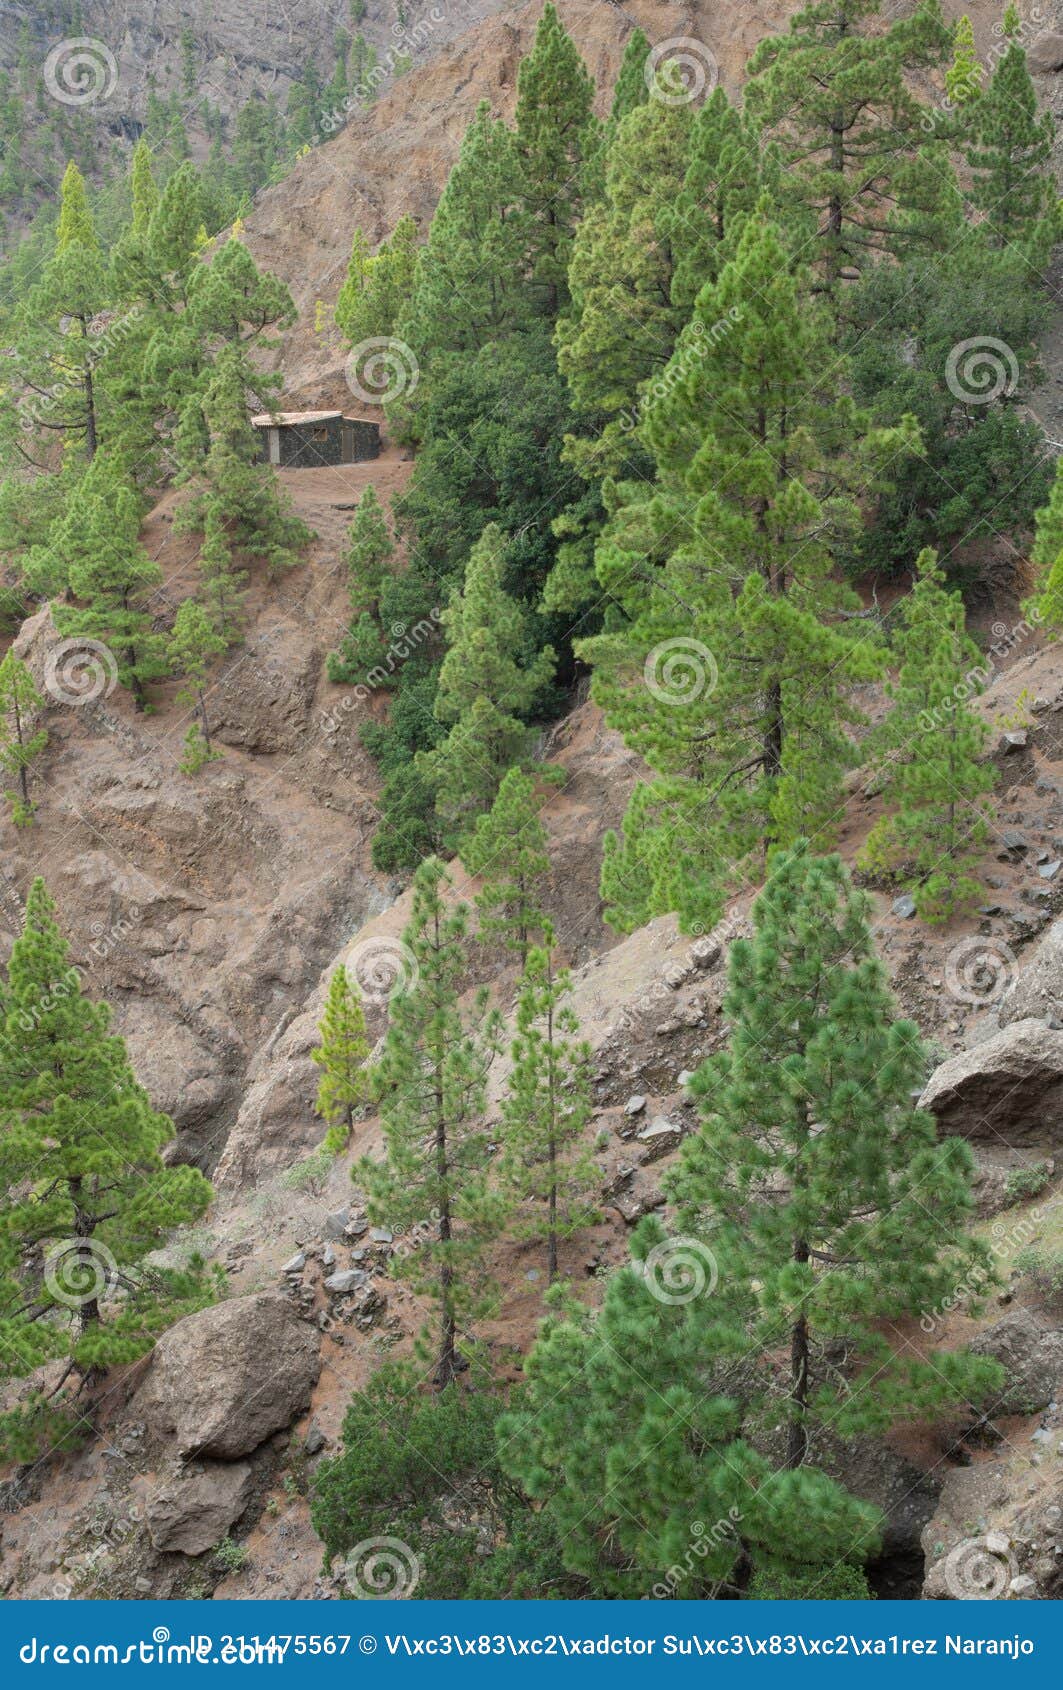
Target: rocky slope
(210, 914)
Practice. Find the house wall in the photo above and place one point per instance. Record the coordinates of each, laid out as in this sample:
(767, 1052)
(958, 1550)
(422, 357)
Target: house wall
(343, 442)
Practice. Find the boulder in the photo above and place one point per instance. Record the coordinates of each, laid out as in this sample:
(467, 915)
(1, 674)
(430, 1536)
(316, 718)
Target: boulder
(659, 1138)
(191, 1509)
(1045, 55)
(1032, 1358)
(226, 1378)
(1008, 1089)
(1037, 993)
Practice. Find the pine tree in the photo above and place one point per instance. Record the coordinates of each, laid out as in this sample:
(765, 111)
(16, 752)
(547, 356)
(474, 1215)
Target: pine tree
(489, 681)
(369, 552)
(931, 752)
(144, 192)
(233, 486)
(59, 338)
(738, 627)
(432, 1184)
(342, 1057)
(727, 170)
(468, 285)
(552, 130)
(631, 1425)
(507, 850)
(834, 92)
(112, 575)
(814, 1179)
(964, 77)
(631, 88)
(1009, 154)
(20, 743)
(193, 643)
(377, 289)
(84, 1192)
(546, 1165)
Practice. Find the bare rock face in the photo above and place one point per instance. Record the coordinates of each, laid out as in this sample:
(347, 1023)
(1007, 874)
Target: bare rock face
(1008, 1090)
(1046, 53)
(1037, 994)
(1032, 1357)
(191, 1509)
(224, 1379)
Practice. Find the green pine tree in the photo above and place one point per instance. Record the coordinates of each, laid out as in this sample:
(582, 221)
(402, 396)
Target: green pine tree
(1009, 155)
(507, 850)
(731, 673)
(546, 1166)
(552, 131)
(834, 92)
(342, 1057)
(631, 1426)
(84, 1192)
(111, 577)
(432, 1184)
(369, 553)
(964, 77)
(377, 288)
(489, 682)
(20, 742)
(931, 754)
(816, 1181)
(193, 643)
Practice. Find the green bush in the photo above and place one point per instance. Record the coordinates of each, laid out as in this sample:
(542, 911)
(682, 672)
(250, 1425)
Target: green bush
(415, 1465)
(783, 1583)
(1024, 1183)
(1045, 1269)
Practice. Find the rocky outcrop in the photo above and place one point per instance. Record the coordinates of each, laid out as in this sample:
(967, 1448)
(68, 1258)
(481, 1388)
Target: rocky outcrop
(1037, 993)
(192, 1508)
(1032, 1358)
(1008, 1090)
(224, 1379)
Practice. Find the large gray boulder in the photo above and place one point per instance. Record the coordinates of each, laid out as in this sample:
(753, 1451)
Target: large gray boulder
(1008, 1090)
(1037, 993)
(1031, 1356)
(192, 1508)
(226, 1378)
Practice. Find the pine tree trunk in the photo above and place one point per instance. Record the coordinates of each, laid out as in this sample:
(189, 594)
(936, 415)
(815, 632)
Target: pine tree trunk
(797, 1441)
(203, 718)
(90, 404)
(22, 781)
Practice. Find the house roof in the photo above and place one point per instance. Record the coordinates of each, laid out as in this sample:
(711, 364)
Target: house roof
(289, 418)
